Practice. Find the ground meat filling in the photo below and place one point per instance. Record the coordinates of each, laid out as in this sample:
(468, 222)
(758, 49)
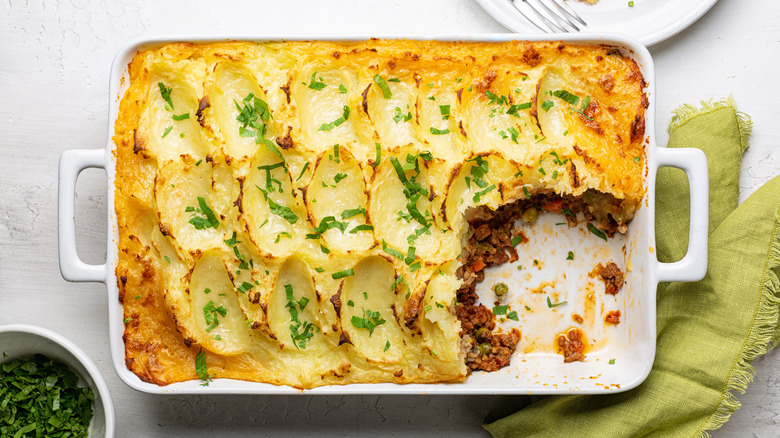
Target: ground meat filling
(613, 317)
(613, 278)
(490, 243)
(571, 345)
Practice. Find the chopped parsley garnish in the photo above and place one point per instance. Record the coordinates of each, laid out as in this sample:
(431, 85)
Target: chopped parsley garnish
(435, 131)
(585, 103)
(244, 287)
(513, 316)
(636, 159)
(344, 117)
(393, 80)
(597, 232)
(527, 308)
(319, 270)
(383, 85)
(300, 332)
(282, 234)
(280, 210)
(541, 170)
(399, 115)
(445, 111)
(167, 130)
(165, 93)
(335, 155)
(205, 291)
(363, 227)
(612, 361)
(305, 166)
(527, 194)
(398, 280)
(211, 312)
(413, 190)
(566, 96)
(201, 369)
(514, 109)
(270, 181)
(570, 256)
(387, 345)
(314, 84)
(179, 117)
(352, 212)
(496, 99)
(253, 117)
(342, 89)
(547, 104)
(324, 249)
(326, 223)
(351, 303)
(167, 259)
(369, 321)
(516, 240)
(500, 310)
(477, 196)
(392, 251)
(557, 160)
(550, 304)
(127, 320)
(378, 155)
(341, 274)
(514, 133)
(339, 176)
(209, 220)
(555, 174)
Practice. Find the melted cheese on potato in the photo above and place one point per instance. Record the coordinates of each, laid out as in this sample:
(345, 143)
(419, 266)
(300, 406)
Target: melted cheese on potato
(296, 210)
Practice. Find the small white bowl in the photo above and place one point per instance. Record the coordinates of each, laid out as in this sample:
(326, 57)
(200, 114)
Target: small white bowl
(20, 340)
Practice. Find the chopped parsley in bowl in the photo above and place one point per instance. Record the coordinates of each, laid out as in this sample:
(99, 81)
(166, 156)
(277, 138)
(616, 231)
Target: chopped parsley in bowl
(49, 387)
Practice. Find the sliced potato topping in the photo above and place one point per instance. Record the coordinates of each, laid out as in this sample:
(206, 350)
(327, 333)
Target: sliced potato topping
(294, 212)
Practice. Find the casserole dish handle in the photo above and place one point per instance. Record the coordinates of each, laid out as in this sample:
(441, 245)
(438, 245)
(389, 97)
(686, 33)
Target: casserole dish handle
(72, 163)
(693, 266)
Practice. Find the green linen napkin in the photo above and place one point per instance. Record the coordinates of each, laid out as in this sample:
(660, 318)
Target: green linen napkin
(710, 331)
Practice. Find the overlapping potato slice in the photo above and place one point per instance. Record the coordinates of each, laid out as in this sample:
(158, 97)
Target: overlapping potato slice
(274, 215)
(437, 120)
(553, 113)
(500, 118)
(171, 131)
(175, 287)
(252, 279)
(393, 112)
(293, 309)
(219, 323)
(402, 212)
(241, 111)
(323, 110)
(439, 326)
(183, 196)
(336, 199)
(367, 300)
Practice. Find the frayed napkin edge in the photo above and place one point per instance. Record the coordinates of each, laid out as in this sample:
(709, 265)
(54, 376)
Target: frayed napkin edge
(687, 112)
(763, 337)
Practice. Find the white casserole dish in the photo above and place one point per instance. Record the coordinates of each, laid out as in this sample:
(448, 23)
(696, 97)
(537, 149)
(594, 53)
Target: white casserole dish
(632, 346)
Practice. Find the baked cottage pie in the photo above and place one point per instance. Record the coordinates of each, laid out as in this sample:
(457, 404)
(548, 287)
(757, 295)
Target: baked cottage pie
(316, 213)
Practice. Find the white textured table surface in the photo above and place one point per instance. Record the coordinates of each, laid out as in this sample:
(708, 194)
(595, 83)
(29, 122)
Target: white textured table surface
(55, 58)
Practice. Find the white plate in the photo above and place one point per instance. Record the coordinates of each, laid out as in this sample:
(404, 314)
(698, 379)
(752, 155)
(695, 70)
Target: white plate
(649, 21)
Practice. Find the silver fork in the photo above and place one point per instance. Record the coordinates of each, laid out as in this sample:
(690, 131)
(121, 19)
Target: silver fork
(550, 15)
